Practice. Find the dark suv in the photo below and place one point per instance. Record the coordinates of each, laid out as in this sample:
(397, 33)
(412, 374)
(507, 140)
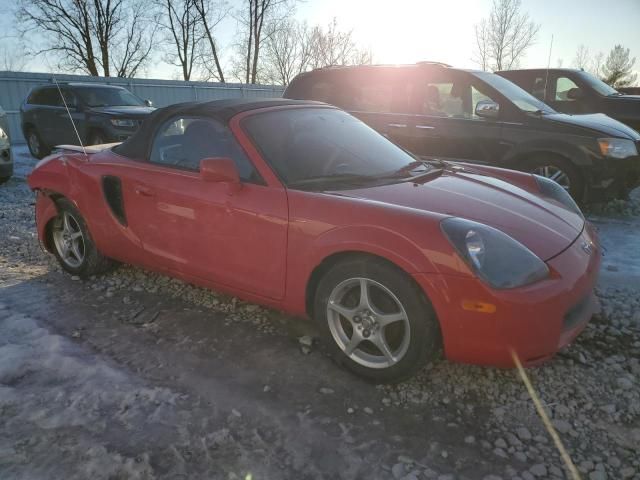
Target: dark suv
(434, 110)
(101, 113)
(577, 92)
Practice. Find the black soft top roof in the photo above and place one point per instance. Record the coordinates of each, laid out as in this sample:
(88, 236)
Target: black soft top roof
(137, 145)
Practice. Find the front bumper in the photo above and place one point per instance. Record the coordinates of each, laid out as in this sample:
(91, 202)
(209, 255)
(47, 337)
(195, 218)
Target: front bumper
(535, 321)
(120, 134)
(614, 178)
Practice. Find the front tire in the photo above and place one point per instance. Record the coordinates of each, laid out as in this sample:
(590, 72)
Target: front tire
(560, 170)
(97, 138)
(73, 245)
(37, 147)
(377, 322)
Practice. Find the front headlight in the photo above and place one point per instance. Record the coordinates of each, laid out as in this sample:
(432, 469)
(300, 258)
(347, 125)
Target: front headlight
(3, 134)
(617, 147)
(551, 189)
(494, 256)
(123, 122)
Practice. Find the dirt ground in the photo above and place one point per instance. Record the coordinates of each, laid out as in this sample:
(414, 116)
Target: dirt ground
(134, 375)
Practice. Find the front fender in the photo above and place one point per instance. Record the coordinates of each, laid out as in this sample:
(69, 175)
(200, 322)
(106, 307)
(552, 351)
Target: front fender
(374, 240)
(578, 153)
(46, 210)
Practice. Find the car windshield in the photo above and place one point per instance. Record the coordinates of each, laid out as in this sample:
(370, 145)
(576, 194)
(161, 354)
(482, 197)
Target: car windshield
(519, 97)
(597, 84)
(309, 147)
(109, 97)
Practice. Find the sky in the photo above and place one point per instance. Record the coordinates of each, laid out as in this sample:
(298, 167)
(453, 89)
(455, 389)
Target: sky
(406, 31)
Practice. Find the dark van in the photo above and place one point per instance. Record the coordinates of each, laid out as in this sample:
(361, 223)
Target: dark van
(577, 92)
(436, 111)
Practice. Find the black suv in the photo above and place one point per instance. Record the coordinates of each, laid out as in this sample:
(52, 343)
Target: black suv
(576, 91)
(434, 110)
(101, 113)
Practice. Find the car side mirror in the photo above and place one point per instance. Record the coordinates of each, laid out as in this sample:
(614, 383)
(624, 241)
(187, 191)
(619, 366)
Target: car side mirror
(148, 103)
(575, 93)
(220, 170)
(487, 109)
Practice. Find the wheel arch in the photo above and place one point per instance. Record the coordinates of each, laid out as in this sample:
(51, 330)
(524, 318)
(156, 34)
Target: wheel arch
(570, 152)
(334, 258)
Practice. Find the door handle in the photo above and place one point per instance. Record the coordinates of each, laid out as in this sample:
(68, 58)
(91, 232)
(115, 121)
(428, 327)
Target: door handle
(398, 125)
(144, 191)
(425, 127)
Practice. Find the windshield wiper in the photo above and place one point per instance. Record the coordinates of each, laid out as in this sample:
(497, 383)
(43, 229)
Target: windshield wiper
(338, 178)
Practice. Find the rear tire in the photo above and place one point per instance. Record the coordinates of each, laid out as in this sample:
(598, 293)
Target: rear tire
(37, 147)
(72, 243)
(385, 336)
(558, 169)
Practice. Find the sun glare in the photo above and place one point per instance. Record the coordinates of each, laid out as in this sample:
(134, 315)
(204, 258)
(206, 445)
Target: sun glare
(408, 31)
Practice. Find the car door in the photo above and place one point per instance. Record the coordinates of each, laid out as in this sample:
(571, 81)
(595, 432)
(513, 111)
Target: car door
(203, 229)
(446, 125)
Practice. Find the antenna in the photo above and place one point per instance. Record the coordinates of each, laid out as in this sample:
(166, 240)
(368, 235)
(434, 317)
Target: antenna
(546, 78)
(69, 113)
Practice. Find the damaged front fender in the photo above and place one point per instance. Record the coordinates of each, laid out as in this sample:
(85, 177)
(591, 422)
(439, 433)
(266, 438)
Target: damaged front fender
(46, 210)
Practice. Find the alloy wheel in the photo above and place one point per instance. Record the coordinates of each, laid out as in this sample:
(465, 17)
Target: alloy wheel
(556, 174)
(34, 143)
(69, 241)
(368, 323)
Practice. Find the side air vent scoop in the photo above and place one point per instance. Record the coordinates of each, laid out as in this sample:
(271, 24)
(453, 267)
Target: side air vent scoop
(112, 189)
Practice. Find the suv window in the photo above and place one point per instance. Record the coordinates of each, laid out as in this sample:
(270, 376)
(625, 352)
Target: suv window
(108, 97)
(380, 94)
(45, 96)
(183, 142)
(563, 85)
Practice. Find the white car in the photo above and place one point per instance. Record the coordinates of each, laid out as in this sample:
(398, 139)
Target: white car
(6, 162)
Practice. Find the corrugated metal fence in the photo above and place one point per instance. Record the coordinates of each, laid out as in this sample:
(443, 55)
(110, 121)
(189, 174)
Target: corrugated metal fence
(15, 86)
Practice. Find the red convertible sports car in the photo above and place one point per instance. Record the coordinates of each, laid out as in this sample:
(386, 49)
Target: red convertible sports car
(301, 207)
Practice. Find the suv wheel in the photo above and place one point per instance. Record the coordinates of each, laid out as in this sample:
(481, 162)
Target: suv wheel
(558, 169)
(36, 146)
(97, 138)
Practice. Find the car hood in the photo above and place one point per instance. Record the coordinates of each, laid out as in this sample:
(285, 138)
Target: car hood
(128, 111)
(598, 122)
(544, 226)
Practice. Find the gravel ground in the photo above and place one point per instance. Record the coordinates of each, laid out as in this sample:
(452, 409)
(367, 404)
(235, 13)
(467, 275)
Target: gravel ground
(136, 375)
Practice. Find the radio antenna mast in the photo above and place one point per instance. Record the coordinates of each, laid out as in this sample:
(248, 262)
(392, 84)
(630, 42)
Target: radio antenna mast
(69, 113)
(546, 78)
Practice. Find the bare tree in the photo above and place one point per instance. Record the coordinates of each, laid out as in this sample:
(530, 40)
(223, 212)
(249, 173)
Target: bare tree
(13, 59)
(85, 33)
(210, 16)
(597, 63)
(286, 54)
(332, 47)
(292, 48)
(583, 58)
(618, 68)
(259, 20)
(183, 31)
(130, 56)
(503, 38)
